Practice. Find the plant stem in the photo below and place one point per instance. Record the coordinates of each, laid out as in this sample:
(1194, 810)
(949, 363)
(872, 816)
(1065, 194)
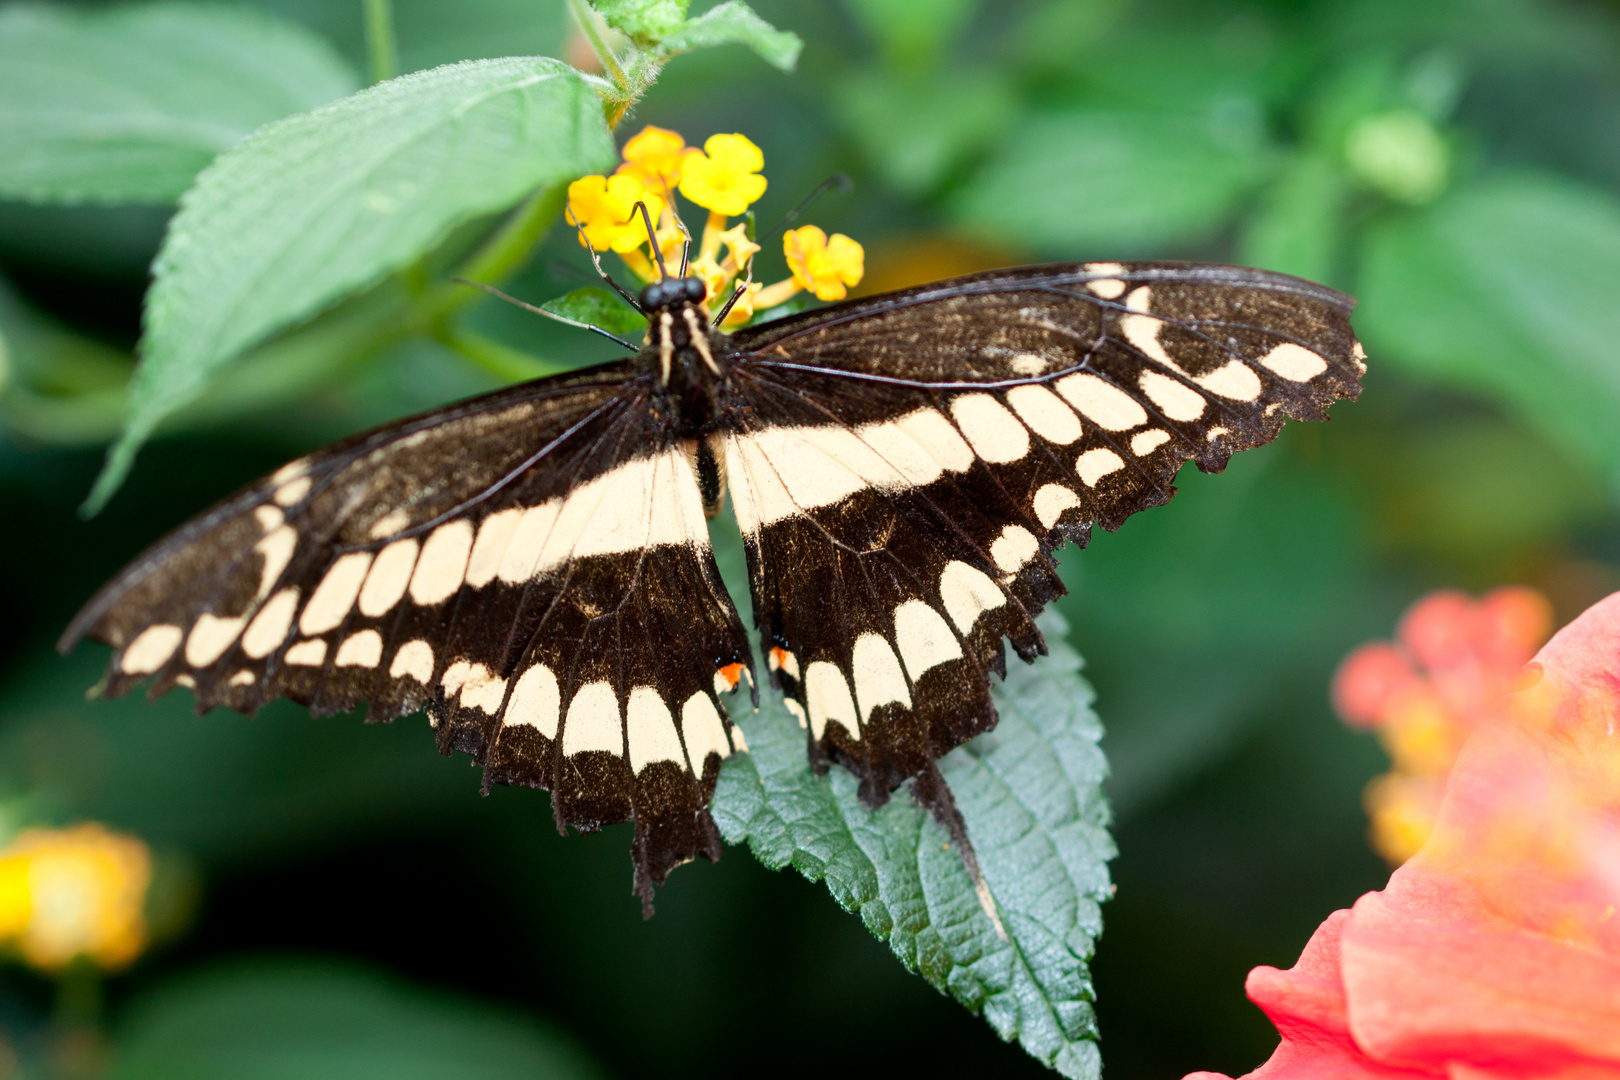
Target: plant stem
(381, 48)
(499, 257)
(590, 25)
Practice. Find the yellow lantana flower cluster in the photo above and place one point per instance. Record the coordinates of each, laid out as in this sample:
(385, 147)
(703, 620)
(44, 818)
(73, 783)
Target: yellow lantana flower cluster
(66, 893)
(723, 178)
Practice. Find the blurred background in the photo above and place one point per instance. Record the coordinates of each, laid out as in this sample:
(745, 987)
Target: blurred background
(339, 895)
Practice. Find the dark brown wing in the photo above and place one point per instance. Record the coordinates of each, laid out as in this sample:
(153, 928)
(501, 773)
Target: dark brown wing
(902, 468)
(532, 566)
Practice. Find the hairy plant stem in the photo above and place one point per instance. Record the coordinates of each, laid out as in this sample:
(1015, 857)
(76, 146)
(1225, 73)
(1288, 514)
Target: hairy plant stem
(382, 51)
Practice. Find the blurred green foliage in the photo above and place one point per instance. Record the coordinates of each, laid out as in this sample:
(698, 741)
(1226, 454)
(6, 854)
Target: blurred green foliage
(1450, 162)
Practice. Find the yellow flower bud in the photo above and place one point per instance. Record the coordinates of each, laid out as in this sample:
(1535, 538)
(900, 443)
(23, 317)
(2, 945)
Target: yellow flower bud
(74, 892)
(823, 266)
(656, 155)
(724, 176)
(604, 207)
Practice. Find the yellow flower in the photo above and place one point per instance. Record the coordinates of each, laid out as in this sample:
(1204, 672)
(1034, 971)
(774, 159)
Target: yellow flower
(724, 178)
(604, 207)
(74, 892)
(823, 266)
(743, 309)
(656, 154)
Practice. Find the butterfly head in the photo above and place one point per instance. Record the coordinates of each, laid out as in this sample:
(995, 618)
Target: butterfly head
(672, 292)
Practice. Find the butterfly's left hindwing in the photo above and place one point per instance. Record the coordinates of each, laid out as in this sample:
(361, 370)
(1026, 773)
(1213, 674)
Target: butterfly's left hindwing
(903, 467)
(533, 567)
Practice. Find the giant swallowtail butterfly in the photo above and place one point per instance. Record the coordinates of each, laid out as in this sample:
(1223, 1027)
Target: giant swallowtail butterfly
(533, 566)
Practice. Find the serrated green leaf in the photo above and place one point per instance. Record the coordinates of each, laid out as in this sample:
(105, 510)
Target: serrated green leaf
(322, 204)
(273, 1020)
(644, 20)
(1031, 794)
(735, 23)
(127, 104)
(1113, 182)
(591, 306)
(1507, 287)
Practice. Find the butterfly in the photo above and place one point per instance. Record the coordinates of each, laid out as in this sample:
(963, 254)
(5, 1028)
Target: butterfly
(533, 567)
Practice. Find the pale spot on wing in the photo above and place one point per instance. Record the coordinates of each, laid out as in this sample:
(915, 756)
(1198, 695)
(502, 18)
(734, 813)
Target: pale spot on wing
(269, 627)
(1105, 284)
(1234, 380)
(1096, 464)
(1106, 404)
(442, 563)
(490, 548)
(924, 639)
(1027, 364)
(1176, 400)
(389, 576)
(307, 654)
(413, 660)
(993, 432)
(781, 659)
(292, 491)
(185, 680)
(1014, 548)
(268, 517)
(457, 674)
(593, 721)
(363, 649)
(1142, 329)
(483, 691)
(966, 592)
(277, 551)
(705, 733)
(1144, 443)
(797, 712)
(1359, 355)
(1294, 362)
(288, 471)
(1051, 501)
(1215, 433)
(245, 677)
(650, 729)
(388, 526)
(938, 437)
(151, 649)
(535, 702)
(210, 637)
(878, 679)
(826, 692)
(329, 604)
(1045, 414)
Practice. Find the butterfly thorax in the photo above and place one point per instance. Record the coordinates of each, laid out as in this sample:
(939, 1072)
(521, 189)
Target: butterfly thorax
(687, 357)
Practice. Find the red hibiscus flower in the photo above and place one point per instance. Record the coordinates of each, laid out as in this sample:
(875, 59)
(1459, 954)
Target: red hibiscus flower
(1494, 952)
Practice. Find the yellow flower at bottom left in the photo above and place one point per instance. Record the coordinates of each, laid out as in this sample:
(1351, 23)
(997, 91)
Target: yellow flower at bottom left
(66, 893)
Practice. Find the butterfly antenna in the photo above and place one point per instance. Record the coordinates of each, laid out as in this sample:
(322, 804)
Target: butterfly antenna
(838, 180)
(526, 306)
(652, 239)
(596, 261)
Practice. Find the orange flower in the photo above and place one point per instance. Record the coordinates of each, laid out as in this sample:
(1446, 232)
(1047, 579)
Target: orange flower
(66, 893)
(1494, 952)
(821, 265)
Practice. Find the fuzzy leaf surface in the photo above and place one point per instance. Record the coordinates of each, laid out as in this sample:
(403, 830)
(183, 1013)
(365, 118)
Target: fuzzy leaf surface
(591, 306)
(128, 104)
(319, 205)
(735, 23)
(1031, 794)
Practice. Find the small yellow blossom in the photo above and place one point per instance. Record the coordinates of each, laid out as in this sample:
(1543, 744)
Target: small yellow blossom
(74, 892)
(743, 309)
(741, 248)
(656, 155)
(604, 207)
(823, 266)
(724, 178)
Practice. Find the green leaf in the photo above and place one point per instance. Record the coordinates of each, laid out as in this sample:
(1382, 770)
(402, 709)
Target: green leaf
(1507, 287)
(591, 306)
(1113, 182)
(644, 20)
(322, 204)
(1299, 225)
(735, 23)
(918, 130)
(274, 1020)
(127, 104)
(1031, 794)
(913, 33)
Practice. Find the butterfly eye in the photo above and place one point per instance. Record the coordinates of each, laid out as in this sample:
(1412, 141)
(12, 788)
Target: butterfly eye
(695, 289)
(654, 296)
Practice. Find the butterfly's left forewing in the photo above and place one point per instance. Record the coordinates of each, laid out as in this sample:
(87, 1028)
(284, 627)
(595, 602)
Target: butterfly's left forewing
(533, 567)
(903, 467)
